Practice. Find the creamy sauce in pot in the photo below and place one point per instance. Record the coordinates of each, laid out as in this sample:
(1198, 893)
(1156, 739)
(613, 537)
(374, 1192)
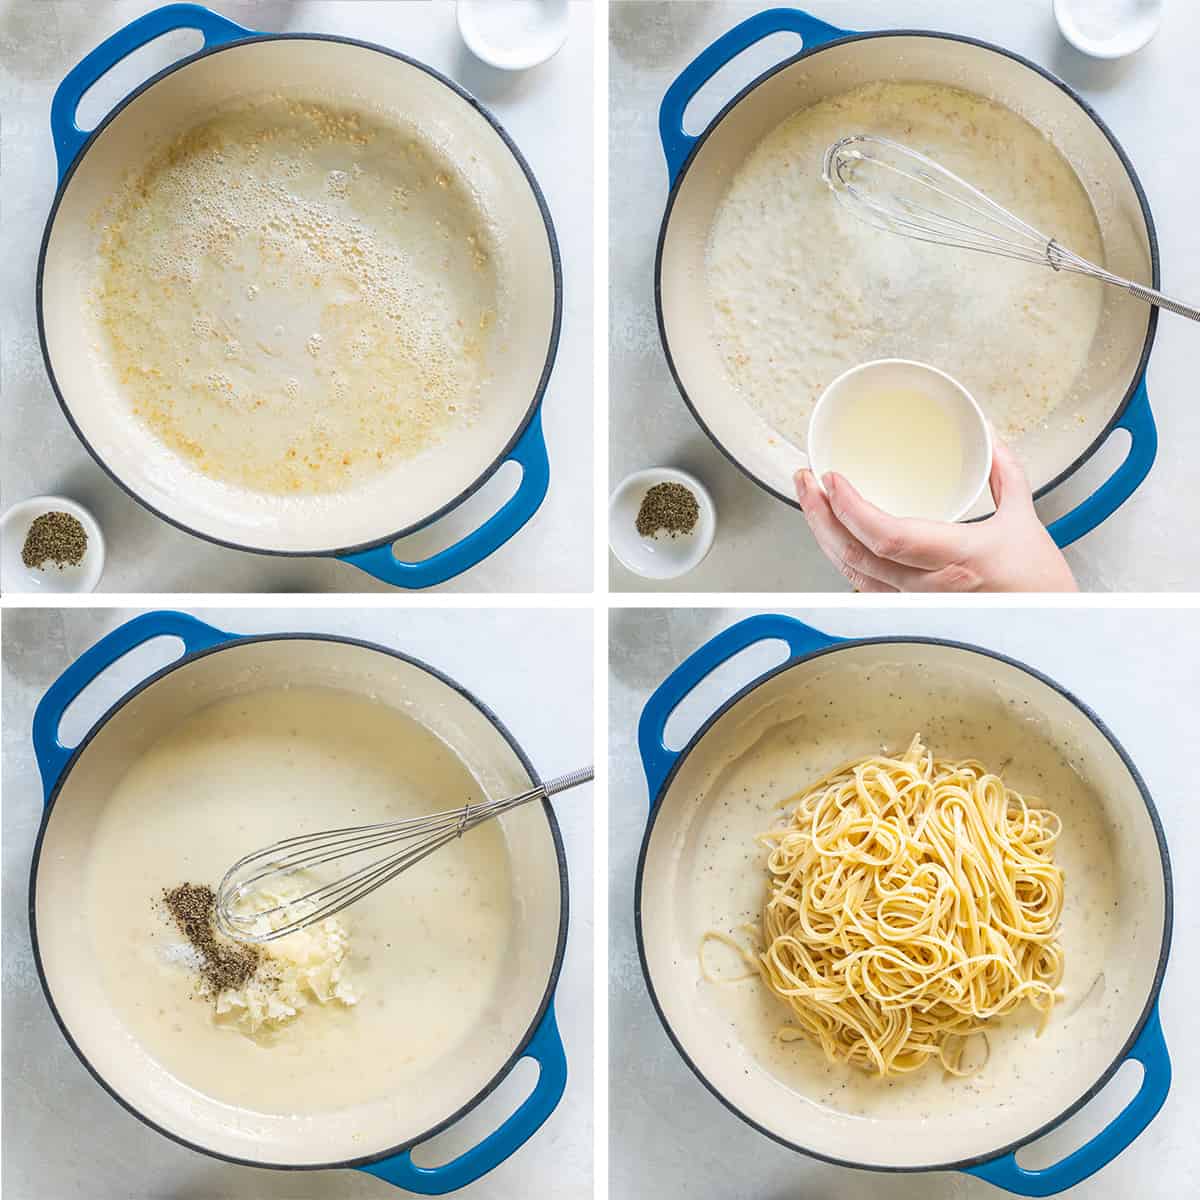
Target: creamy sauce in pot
(294, 297)
(426, 951)
(800, 289)
(722, 880)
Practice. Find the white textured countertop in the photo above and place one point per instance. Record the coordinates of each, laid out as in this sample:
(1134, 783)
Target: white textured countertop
(1153, 542)
(669, 1137)
(547, 111)
(64, 1137)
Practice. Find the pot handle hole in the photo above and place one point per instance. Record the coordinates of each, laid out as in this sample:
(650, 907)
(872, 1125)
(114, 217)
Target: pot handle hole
(1138, 422)
(677, 144)
(530, 455)
(68, 137)
(52, 755)
(546, 1048)
(657, 759)
(1150, 1050)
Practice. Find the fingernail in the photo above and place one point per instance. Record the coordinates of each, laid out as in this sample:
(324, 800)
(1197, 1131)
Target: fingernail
(827, 479)
(801, 481)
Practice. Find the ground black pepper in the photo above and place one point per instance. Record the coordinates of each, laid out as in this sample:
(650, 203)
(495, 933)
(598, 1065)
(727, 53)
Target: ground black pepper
(54, 537)
(669, 506)
(222, 964)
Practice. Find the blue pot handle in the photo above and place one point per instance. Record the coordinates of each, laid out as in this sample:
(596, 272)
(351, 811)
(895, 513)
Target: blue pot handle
(547, 1049)
(530, 454)
(1151, 1051)
(68, 137)
(676, 144)
(657, 760)
(1138, 420)
(52, 755)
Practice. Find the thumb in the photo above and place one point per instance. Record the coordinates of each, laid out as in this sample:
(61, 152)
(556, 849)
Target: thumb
(1009, 485)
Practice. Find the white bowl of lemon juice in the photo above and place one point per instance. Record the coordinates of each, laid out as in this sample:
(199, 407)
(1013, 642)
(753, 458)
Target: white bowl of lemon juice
(909, 437)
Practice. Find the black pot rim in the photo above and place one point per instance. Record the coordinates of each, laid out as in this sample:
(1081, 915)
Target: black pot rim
(555, 260)
(1156, 824)
(547, 809)
(1151, 237)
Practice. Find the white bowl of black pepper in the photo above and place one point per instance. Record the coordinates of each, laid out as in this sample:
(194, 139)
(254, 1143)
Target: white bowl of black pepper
(661, 522)
(50, 544)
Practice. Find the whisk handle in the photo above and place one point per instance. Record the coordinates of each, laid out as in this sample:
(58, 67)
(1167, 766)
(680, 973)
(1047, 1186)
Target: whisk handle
(1155, 297)
(677, 144)
(52, 755)
(1138, 422)
(562, 783)
(546, 1048)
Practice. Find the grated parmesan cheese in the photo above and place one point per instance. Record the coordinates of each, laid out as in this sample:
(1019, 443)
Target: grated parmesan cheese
(306, 966)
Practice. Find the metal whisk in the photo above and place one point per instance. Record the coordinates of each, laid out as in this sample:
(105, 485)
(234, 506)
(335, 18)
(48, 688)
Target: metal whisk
(899, 190)
(417, 837)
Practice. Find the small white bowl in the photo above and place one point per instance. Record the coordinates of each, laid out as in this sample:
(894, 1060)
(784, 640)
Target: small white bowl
(15, 576)
(664, 556)
(902, 374)
(513, 35)
(1136, 22)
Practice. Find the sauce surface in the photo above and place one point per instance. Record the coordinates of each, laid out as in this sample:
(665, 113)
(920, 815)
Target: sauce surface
(800, 289)
(426, 951)
(723, 878)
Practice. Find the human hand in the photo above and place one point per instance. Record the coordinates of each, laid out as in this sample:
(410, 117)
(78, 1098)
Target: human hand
(1009, 552)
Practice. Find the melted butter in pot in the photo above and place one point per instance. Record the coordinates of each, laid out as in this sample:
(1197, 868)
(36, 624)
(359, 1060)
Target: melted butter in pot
(294, 298)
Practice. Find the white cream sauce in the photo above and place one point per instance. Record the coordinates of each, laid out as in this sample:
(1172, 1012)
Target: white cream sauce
(800, 289)
(723, 881)
(294, 297)
(426, 951)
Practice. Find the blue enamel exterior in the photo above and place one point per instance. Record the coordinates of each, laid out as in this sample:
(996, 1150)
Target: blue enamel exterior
(68, 137)
(529, 452)
(657, 760)
(52, 755)
(545, 1046)
(1150, 1048)
(677, 145)
(1137, 420)
(547, 1049)
(1151, 1051)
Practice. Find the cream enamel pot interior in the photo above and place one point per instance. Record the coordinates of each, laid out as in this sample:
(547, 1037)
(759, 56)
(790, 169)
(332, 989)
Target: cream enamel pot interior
(834, 61)
(379, 1136)
(699, 868)
(358, 526)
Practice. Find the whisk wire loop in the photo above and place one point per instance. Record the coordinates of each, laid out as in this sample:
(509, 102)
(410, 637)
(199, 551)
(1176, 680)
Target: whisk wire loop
(875, 178)
(264, 871)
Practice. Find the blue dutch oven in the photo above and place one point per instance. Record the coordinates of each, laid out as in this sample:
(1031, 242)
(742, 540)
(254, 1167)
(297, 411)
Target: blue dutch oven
(358, 526)
(699, 869)
(378, 1138)
(1113, 390)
